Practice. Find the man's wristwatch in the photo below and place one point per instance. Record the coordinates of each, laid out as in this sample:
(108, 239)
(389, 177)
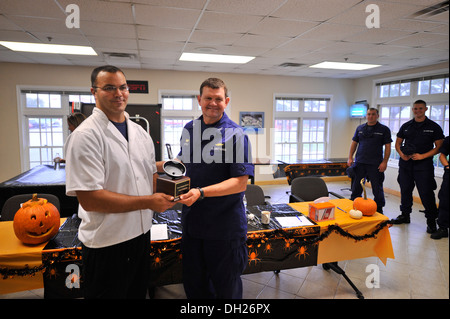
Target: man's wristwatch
(202, 195)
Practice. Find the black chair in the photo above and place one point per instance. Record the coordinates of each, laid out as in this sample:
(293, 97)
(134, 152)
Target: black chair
(254, 195)
(306, 189)
(309, 188)
(12, 204)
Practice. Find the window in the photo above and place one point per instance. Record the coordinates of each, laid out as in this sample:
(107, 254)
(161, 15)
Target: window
(42, 115)
(300, 128)
(394, 116)
(396, 109)
(395, 89)
(313, 139)
(433, 86)
(286, 140)
(177, 110)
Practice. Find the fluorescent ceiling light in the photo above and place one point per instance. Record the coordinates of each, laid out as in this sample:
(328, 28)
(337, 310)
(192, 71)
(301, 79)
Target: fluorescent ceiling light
(48, 48)
(215, 58)
(344, 66)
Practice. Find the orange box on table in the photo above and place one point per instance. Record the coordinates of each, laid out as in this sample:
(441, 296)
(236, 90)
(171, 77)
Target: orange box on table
(321, 211)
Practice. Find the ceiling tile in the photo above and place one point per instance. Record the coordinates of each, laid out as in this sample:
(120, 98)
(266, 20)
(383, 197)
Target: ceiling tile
(250, 7)
(281, 27)
(224, 22)
(102, 11)
(313, 10)
(166, 17)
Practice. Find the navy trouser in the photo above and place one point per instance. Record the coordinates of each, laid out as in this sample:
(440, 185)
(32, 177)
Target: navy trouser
(443, 201)
(376, 179)
(213, 268)
(425, 183)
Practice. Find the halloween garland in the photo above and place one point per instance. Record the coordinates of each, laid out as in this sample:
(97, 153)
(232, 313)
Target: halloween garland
(254, 238)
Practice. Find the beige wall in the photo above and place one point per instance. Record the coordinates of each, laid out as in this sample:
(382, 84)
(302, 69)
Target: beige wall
(248, 93)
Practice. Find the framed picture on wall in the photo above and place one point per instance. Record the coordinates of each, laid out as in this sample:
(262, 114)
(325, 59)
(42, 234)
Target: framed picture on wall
(252, 121)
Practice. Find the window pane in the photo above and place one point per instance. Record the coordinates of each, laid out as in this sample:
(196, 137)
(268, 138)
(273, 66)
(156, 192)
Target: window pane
(384, 91)
(55, 101)
(279, 106)
(406, 112)
(424, 87)
(43, 101)
(405, 89)
(187, 104)
(446, 86)
(437, 86)
(85, 98)
(295, 105)
(74, 98)
(31, 99)
(35, 155)
(394, 90)
(437, 112)
(385, 112)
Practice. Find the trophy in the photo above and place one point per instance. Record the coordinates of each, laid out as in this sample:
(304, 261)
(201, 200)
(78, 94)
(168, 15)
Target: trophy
(174, 183)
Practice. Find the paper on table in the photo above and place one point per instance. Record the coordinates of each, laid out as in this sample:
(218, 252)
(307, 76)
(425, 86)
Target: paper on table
(293, 221)
(159, 232)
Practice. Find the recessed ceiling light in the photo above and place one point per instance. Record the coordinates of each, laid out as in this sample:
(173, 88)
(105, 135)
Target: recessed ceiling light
(344, 66)
(48, 48)
(215, 58)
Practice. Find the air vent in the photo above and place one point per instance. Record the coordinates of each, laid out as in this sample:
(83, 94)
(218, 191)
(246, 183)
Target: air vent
(432, 11)
(118, 55)
(291, 65)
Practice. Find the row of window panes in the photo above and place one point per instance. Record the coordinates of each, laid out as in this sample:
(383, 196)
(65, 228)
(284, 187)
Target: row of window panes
(179, 103)
(284, 105)
(43, 155)
(435, 86)
(48, 100)
(395, 116)
(43, 100)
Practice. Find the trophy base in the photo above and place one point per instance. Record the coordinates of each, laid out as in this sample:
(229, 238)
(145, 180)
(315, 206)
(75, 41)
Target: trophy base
(173, 187)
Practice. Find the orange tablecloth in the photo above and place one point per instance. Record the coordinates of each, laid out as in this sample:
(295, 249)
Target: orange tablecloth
(15, 254)
(337, 248)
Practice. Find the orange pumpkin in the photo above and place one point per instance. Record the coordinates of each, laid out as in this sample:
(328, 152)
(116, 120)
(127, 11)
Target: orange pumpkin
(366, 205)
(37, 221)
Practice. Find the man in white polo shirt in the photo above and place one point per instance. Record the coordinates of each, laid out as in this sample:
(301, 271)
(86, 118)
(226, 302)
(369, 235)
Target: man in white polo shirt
(110, 163)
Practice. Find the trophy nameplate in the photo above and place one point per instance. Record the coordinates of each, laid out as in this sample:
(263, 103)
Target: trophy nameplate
(173, 187)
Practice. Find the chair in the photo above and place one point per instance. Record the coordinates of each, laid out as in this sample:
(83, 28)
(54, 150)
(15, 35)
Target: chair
(309, 188)
(12, 204)
(305, 189)
(255, 195)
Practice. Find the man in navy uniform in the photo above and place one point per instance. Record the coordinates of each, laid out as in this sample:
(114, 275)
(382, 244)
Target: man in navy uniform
(418, 140)
(370, 162)
(214, 150)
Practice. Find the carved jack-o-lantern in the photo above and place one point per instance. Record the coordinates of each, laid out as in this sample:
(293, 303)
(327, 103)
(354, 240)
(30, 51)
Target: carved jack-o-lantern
(36, 221)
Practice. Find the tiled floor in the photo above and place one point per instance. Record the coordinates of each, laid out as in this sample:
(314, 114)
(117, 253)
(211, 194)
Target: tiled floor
(420, 268)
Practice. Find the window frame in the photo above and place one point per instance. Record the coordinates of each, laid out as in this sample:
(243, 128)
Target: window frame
(430, 98)
(302, 115)
(24, 113)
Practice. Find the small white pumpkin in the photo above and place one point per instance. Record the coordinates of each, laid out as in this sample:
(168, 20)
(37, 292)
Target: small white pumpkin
(356, 214)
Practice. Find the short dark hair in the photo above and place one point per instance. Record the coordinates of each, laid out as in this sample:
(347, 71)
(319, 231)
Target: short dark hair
(373, 109)
(214, 83)
(421, 102)
(105, 68)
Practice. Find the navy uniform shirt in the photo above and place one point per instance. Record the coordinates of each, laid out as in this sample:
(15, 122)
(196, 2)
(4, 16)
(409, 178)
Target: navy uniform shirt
(213, 154)
(370, 139)
(419, 136)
